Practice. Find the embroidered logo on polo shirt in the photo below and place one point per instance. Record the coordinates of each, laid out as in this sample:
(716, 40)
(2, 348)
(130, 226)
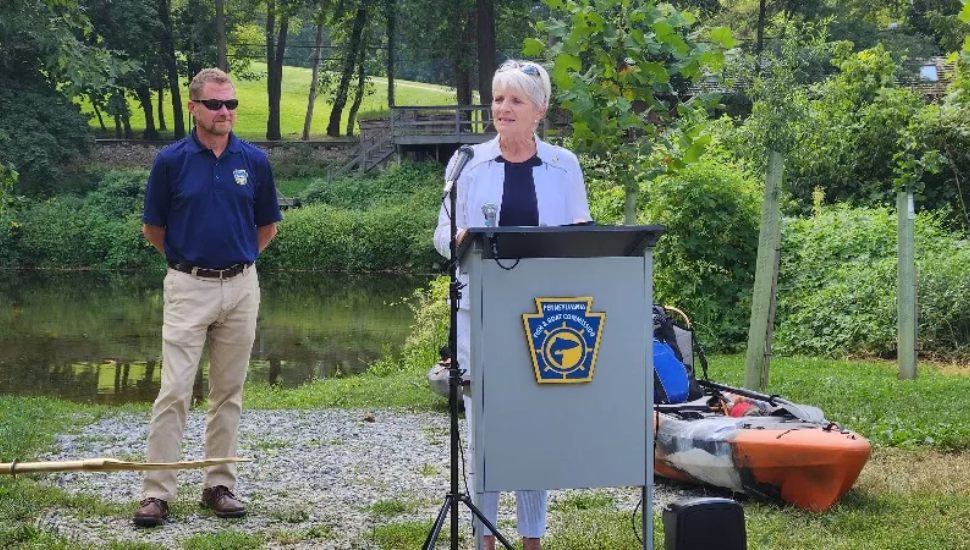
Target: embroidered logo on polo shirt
(241, 177)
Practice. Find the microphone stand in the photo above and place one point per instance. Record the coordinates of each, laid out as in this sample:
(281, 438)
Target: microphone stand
(453, 497)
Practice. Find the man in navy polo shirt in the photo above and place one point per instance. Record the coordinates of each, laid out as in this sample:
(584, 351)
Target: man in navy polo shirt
(210, 209)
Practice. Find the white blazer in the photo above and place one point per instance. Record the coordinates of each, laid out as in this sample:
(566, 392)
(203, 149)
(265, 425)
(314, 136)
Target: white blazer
(560, 191)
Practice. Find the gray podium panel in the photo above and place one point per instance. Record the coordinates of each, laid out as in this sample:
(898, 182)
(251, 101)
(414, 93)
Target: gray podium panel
(562, 435)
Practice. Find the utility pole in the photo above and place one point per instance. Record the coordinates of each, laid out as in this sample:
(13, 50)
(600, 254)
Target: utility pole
(906, 286)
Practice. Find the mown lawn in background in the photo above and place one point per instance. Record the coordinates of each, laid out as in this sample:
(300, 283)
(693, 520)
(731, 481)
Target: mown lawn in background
(253, 109)
(913, 494)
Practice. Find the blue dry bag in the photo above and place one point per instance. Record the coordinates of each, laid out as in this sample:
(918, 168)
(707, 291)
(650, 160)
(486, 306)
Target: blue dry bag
(670, 381)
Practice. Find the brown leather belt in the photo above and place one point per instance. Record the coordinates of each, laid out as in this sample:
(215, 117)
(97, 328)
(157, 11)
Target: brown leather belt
(222, 274)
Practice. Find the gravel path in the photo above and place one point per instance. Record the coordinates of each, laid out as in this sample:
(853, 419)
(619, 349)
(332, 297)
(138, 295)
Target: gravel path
(326, 478)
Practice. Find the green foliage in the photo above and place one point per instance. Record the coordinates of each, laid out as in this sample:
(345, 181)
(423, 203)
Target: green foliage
(41, 132)
(617, 65)
(8, 177)
(354, 192)
(837, 286)
(374, 223)
(383, 238)
(51, 42)
(101, 229)
(853, 127)
(935, 155)
(857, 136)
(704, 263)
(778, 92)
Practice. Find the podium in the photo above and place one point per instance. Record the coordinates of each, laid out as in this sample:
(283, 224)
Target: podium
(560, 361)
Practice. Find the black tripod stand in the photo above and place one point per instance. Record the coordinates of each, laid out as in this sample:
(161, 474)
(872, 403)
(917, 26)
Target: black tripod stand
(453, 497)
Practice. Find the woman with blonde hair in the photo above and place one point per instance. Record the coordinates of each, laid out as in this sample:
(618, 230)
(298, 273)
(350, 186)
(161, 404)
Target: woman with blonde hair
(521, 181)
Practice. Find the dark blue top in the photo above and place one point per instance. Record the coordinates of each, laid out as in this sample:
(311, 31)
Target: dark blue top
(210, 207)
(519, 205)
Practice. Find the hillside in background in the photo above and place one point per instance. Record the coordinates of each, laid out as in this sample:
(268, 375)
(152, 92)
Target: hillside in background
(253, 109)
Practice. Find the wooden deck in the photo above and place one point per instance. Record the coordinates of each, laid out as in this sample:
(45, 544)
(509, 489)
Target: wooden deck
(441, 125)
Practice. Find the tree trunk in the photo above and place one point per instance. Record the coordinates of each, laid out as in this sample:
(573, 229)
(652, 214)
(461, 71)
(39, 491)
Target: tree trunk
(222, 61)
(171, 67)
(126, 121)
(463, 76)
(161, 110)
(486, 49)
(391, 14)
(273, 120)
(117, 126)
(759, 347)
(359, 92)
(144, 94)
(760, 44)
(340, 101)
(317, 46)
(97, 112)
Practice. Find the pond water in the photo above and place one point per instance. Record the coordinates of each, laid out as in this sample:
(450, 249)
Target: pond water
(96, 337)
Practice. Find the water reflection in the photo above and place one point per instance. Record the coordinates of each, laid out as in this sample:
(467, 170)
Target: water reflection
(96, 337)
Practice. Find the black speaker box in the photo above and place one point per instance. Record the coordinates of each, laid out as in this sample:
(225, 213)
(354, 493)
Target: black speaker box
(703, 524)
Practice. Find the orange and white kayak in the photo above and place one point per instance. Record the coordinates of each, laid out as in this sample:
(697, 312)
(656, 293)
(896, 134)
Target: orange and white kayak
(807, 462)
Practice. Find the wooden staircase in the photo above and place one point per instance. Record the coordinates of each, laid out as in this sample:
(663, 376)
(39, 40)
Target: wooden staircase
(376, 147)
(412, 128)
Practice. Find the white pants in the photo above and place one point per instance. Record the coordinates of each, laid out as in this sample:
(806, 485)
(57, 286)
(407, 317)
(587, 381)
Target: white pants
(199, 309)
(530, 506)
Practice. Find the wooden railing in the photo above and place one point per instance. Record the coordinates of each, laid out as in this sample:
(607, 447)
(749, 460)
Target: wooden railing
(440, 120)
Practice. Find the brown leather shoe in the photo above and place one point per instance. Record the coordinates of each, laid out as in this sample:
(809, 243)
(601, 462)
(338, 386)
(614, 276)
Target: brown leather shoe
(222, 502)
(151, 512)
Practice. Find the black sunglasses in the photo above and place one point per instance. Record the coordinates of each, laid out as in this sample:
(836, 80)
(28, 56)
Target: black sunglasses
(216, 104)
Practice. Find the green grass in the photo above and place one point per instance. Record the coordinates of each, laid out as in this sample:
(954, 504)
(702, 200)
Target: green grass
(253, 109)
(403, 389)
(225, 540)
(393, 507)
(293, 187)
(913, 494)
(867, 396)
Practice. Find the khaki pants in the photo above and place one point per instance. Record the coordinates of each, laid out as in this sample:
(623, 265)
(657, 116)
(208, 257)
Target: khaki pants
(199, 309)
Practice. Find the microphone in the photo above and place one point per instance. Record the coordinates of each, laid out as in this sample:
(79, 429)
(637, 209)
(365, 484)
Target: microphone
(465, 154)
(490, 211)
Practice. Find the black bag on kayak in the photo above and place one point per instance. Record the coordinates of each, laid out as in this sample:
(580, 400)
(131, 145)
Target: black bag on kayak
(673, 369)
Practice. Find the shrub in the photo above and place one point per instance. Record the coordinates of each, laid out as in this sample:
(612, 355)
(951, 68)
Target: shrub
(385, 237)
(396, 182)
(101, 229)
(704, 263)
(41, 133)
(120, 192)
(837, 285)
(388, 229)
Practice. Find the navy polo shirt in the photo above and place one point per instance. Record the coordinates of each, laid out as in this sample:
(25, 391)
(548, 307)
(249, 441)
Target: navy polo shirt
(210, 207)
